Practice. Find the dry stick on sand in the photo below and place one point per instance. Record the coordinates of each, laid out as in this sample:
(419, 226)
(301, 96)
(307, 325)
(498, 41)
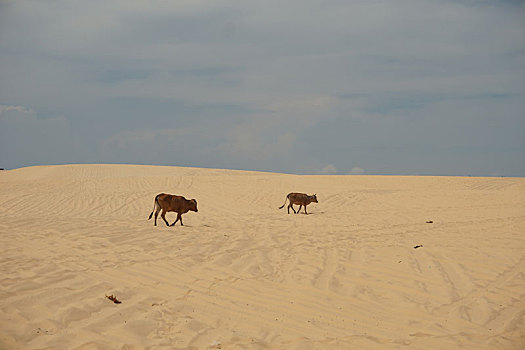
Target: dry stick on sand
(113, 299)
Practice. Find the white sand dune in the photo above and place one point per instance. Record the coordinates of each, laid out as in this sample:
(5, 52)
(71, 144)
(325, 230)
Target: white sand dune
(242, 274)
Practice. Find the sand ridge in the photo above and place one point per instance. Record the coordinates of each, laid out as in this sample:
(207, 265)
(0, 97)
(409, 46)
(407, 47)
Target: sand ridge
(242, 274)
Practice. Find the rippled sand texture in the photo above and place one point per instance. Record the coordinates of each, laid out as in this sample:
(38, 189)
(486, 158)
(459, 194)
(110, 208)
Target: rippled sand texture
(242, 274)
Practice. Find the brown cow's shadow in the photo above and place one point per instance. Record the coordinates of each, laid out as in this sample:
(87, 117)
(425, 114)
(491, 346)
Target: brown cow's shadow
(314, 213)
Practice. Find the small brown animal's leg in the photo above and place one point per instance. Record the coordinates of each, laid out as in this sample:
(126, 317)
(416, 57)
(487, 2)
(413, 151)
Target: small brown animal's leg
(156, 214)
(305, 210)
(291, 206)
(179, 217)
(163, 216)
(300, 206)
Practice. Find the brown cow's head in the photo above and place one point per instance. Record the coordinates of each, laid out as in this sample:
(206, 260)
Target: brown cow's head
(193, 205)
(314, 198)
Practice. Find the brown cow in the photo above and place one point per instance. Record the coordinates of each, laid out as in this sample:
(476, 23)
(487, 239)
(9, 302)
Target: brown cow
(169, 202)
(299, 198)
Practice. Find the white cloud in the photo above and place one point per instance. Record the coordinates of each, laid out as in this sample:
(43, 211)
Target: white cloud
(356, 171)
(329, 169)
(19, 109)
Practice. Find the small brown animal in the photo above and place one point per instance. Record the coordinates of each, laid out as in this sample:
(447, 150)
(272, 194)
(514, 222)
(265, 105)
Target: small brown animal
(299, 198)
(169, 202)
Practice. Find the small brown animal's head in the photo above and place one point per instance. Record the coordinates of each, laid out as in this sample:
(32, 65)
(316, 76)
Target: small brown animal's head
(193, 205)
(314, 198)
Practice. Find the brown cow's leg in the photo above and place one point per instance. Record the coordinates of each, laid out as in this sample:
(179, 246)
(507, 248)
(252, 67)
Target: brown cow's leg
(300, 206)
(305, 210)
(291, 206)
(163, 216)
(156, 214)
(179, 217)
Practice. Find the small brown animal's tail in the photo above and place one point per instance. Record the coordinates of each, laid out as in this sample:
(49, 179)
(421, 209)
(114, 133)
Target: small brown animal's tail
(154, 206)
(282, 206)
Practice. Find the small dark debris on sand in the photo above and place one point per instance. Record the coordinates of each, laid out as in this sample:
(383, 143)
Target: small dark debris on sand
(430, 221)
(418, 246)
(113, 299)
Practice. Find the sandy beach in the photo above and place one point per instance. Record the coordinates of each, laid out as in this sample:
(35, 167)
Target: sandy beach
(242, 274)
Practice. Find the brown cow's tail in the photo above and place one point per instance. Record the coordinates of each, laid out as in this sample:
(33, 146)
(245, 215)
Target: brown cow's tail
(155, 203)
(282, 206)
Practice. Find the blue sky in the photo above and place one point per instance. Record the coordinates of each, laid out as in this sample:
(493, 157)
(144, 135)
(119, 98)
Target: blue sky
(430, 87)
